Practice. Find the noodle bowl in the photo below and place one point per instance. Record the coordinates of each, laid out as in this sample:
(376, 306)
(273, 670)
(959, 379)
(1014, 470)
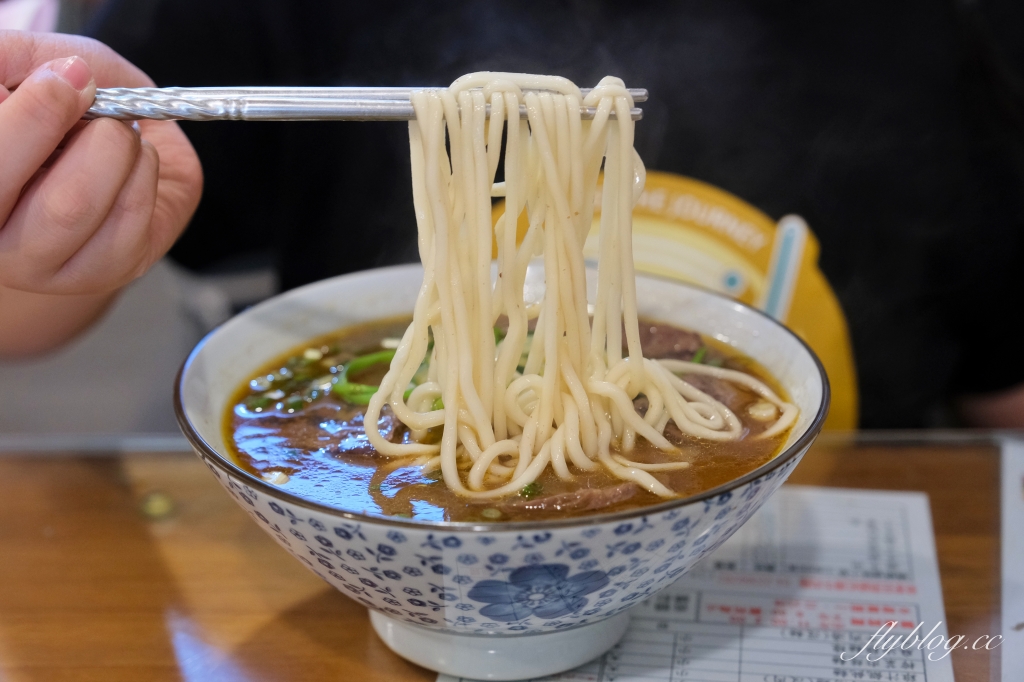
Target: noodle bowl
(573, 402)
(569, 424)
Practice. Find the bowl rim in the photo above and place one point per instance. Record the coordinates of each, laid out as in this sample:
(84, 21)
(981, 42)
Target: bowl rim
(225, 463)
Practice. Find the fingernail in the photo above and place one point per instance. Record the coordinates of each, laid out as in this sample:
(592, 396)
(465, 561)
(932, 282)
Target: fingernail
(74, 71)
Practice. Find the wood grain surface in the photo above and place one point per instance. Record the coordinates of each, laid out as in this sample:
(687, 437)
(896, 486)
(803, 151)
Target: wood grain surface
(139, 567)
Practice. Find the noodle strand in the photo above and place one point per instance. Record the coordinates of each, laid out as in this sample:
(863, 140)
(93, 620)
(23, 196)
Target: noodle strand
(573, 399)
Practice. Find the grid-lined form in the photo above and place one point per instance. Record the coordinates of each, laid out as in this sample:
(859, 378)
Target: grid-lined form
(696, 648)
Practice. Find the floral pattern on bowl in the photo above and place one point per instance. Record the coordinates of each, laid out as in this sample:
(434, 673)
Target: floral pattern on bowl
(545, 591)
(462, 580)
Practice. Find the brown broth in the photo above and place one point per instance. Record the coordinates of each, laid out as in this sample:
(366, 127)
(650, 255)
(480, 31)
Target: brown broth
(316, 439)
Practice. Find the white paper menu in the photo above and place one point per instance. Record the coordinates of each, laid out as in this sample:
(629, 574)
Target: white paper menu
(795, 596)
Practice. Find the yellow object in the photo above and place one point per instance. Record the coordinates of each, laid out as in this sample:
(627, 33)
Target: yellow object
(694, 232)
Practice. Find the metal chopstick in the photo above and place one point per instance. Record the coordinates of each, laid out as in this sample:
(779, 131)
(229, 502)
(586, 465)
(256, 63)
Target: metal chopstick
(354, 92)
(271, 104)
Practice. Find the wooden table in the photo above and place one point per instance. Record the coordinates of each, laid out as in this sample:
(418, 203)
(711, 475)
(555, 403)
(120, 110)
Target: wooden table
(138, 567)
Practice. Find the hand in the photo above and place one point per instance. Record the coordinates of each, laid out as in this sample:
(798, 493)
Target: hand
(1000, 410)
(85, 208)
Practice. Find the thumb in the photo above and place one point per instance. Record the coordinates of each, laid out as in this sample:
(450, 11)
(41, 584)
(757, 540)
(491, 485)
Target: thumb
(35, 118)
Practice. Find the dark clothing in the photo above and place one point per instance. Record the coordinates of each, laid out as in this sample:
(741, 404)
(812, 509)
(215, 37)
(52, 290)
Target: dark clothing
(895, 129)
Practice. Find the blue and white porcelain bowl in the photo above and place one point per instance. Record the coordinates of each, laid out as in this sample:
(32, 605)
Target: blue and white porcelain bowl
(494, 601)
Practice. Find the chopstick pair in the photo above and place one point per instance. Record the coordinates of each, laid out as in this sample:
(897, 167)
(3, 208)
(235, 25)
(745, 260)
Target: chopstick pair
(273, 104)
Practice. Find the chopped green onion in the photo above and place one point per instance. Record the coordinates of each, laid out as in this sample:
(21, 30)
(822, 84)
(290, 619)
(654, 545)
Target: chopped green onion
(531, 490)
(499, 334)
(357, 394)
(438, 404)
(258, 402)
(364, 361)
(698, 357)
(491, 514)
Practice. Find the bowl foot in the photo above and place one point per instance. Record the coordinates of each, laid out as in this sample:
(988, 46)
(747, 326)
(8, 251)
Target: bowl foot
(483, 657)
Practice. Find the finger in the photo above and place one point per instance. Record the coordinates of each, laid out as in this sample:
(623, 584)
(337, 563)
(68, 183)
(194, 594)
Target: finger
(22, 52)
(66, 204)
(34, 119)
(120, 250)
(4, 93)
(181, 182)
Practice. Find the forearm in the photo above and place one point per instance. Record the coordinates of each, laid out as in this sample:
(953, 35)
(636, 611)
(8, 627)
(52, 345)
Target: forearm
(31, 324)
